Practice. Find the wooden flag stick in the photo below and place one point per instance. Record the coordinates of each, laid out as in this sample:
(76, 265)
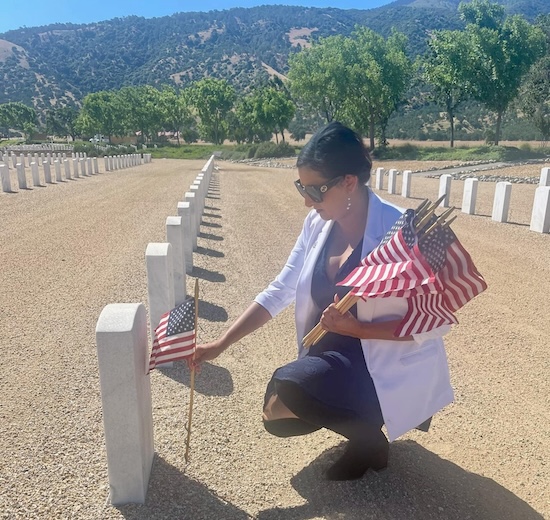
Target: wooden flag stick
(439, 222)
(192, 393)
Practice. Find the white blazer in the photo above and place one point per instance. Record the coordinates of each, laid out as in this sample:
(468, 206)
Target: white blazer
(411, 377)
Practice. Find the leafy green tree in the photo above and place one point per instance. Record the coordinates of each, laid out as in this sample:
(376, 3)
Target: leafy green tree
(176, 114)
(101, 113)
(213, 99)
(272, 110)
(19, 117)
(503, 51)
(143, 111)
(318, 76)
(62, 121)
(534, 98)
(379, 73)
(445, 68)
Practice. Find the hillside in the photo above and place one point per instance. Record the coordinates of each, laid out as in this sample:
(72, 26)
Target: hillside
(61, 63)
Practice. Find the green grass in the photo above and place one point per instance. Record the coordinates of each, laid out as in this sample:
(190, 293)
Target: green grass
(188, 151)
(480, 153)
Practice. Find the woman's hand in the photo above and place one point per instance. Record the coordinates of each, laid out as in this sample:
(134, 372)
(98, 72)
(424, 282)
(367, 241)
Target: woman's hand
(345, 324)
(206, 352)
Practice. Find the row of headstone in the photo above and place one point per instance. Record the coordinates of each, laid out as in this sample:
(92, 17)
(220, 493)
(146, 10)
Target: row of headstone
(43, 146)
(53, 170)
(123, 349)
(540, 216)
(11, 158)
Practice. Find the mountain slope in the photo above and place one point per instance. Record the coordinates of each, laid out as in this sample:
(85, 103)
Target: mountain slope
(61, 63)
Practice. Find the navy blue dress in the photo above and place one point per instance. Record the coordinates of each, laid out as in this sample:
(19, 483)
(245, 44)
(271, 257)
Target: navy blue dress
(331, 382)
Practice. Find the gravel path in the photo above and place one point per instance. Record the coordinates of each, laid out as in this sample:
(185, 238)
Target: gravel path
(70, 249)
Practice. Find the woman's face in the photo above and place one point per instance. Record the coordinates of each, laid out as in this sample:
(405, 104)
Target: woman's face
(335, 198)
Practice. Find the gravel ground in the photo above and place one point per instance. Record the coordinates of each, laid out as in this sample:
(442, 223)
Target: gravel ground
(70, 249)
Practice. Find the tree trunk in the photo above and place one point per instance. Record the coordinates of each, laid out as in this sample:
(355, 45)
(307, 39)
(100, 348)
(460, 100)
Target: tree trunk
(499, 123)
(283, 135)
(277, 137)
(452, 123)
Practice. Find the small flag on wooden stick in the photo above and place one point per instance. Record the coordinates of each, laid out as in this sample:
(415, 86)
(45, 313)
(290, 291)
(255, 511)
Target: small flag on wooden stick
(175, 339)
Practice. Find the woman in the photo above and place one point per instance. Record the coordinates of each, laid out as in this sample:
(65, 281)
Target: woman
(359, 376)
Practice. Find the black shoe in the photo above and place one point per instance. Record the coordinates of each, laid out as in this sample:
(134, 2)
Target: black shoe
(357, 459)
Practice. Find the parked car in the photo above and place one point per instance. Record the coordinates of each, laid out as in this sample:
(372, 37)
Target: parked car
(98, 138)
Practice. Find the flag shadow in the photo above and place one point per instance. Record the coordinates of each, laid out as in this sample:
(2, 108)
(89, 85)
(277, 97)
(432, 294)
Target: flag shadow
(206, 274)
(172, 494)
(417, 485)
(212, 380)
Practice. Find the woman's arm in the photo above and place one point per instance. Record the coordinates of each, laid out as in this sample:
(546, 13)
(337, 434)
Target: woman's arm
(250, 320)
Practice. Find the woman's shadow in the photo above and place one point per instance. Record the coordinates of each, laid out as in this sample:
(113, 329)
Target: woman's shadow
(418, 484)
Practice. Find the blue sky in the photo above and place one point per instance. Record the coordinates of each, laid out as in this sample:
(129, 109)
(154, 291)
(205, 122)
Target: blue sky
(30, 13)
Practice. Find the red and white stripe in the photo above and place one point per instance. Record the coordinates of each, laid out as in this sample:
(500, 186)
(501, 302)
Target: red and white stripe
(426, 312)
(170, 348)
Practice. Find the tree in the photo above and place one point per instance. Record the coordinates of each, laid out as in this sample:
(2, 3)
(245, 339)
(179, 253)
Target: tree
(318, 76)
(503, 51)
(62, 121)
(143, 111)
(379, 73)
(444, 68)
(272, 111)
(213, 99)
(19, 117)
(176, 114)
(534, 98)
(101, 114)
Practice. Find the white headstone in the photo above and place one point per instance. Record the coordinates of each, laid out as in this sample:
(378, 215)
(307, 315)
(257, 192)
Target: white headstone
(5, 178)
(501, 203)
(379, 178)
(469, 197)
(184, 211)
(107, 163)
(540, 217)
(75, 168)
(35, 174)
(174, 235)
(191, 198)
(392, 181)
(445, 189)
(406, 187)
(57, 166)
(122, 353)
(160, 281)
(67, 166)
(21, 177)
(47, 171)
(544, 177)
(96, 166)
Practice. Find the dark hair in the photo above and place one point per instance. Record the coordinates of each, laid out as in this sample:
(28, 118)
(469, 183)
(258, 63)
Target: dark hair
(336, 150)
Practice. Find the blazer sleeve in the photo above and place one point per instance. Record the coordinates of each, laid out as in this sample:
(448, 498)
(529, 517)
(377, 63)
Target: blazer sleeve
(281, 292)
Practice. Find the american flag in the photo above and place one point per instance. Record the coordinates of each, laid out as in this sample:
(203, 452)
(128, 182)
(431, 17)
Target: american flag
(174, 338)
(395, 268)
(435, 273)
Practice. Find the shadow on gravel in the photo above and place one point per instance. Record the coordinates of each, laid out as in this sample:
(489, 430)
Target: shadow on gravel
(209, 252)
(211, 215)
(210, 236)
(205, 274)
(173, 495)
(212, 380)
(210, 224)
(211, 208)
(418, 485)
(211, 312)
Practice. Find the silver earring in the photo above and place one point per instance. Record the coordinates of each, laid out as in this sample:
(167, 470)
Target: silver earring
(349, 204)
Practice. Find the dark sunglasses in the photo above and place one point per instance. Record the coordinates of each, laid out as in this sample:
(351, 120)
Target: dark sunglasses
(315, 193)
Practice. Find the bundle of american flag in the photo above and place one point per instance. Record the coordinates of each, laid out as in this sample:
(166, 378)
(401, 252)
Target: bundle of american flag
(419, 259)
